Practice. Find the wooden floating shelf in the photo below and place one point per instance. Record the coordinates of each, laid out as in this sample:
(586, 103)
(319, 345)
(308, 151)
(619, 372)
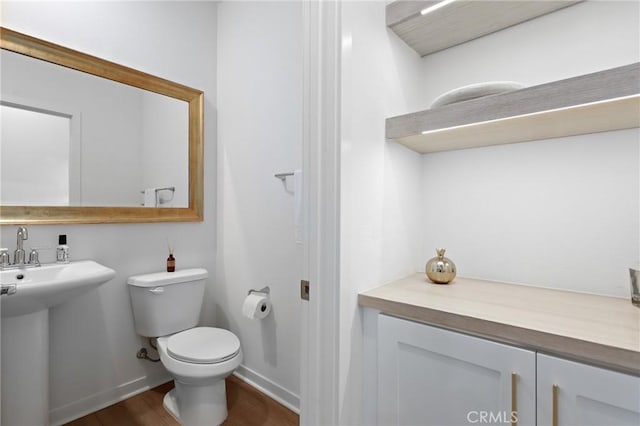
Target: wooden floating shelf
(598, 102)
(455, 22)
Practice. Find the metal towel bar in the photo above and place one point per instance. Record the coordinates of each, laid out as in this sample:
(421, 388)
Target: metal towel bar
(283, 176)
(168, 188)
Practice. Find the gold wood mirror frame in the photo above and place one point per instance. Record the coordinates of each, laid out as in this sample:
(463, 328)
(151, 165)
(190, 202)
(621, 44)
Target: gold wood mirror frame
(25, 215)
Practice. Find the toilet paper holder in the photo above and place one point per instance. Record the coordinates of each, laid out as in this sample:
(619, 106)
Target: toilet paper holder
(265, 290)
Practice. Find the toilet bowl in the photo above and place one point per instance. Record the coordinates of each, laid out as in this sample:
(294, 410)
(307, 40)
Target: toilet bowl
(199, 359)
(167, 306)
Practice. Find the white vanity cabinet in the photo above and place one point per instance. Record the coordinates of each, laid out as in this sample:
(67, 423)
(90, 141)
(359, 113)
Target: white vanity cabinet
(576, 394)
(431, 376)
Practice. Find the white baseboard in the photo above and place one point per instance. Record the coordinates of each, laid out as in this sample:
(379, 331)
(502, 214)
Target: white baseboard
(100, 400)
(269, 388)
(92, 403)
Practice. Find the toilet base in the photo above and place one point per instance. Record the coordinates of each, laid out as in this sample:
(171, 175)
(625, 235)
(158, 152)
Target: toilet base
(197, 405)
(170, 404)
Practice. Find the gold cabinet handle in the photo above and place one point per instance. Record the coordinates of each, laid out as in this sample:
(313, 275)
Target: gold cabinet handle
(554, 413)
(514, 399)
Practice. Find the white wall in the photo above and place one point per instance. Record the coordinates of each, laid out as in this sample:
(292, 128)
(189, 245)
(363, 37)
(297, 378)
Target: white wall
(380, 181)
(561, 213)
(260, 134)
(93, 342)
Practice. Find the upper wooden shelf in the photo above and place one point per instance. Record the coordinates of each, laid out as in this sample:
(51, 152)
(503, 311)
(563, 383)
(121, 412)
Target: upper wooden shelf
(453, 22)
(602, 101)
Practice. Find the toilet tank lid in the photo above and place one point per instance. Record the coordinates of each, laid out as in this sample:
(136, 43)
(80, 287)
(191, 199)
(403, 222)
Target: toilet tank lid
(157, 279)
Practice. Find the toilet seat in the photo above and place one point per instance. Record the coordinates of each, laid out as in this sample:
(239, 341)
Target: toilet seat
(203, 345)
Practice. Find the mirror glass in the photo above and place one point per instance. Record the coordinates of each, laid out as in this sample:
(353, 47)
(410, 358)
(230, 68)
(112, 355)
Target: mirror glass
(79, 134)
(35, 151)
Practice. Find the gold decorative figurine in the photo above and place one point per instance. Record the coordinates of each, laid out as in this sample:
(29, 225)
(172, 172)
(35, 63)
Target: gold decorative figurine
(440, 269)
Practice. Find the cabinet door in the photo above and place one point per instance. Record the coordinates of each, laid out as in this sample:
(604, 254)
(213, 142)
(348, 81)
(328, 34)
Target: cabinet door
(431, 376)
(585, 395)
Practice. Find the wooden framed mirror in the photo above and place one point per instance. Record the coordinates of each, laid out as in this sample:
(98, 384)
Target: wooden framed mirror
(164, 178)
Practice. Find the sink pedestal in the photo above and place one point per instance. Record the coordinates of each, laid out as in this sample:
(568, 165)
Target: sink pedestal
(25, 369)
(25, 332)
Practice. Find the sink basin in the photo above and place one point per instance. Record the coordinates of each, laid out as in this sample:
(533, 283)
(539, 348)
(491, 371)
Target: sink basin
(49, 285)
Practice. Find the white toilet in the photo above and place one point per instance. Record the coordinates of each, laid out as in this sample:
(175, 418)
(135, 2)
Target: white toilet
(167, 305)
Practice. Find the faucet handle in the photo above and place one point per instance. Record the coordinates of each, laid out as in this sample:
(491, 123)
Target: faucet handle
(4, 257)
(23, 233)
(34, 257)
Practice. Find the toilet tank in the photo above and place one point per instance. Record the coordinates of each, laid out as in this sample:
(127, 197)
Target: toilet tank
(167, 302)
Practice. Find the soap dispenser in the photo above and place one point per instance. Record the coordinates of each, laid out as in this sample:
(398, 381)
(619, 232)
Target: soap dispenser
(62, 251)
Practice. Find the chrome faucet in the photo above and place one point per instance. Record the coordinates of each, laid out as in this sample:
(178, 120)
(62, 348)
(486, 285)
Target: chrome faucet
(19, 255)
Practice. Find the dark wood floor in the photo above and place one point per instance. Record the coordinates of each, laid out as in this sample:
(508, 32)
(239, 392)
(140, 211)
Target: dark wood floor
(247, 407)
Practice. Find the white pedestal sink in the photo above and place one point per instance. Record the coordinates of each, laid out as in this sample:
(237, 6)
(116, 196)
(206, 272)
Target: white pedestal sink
(25, 333)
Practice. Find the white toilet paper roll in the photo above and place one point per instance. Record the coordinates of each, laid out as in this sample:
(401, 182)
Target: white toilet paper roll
(256, 305)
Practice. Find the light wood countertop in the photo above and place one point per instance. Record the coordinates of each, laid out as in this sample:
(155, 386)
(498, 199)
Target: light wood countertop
(598, 330)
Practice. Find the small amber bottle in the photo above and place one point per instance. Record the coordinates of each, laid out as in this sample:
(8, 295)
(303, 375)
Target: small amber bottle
(171, 263)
